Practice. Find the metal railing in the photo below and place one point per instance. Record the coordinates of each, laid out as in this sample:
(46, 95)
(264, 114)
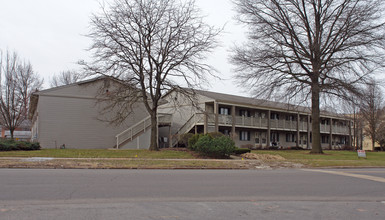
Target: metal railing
(254, 122)
(191, 122)
(139, 127)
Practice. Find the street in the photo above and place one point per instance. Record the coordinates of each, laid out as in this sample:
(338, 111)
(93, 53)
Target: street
(192, 194)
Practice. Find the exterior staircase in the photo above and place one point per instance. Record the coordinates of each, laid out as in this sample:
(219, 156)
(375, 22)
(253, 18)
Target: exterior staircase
(193, 120)
(139, 128)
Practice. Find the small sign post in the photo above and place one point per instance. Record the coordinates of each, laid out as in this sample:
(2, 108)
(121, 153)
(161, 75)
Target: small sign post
(361, 153)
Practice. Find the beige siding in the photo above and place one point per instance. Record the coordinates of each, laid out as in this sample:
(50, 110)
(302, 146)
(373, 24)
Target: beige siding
(73, 120)
(140, 142)
(181, 110)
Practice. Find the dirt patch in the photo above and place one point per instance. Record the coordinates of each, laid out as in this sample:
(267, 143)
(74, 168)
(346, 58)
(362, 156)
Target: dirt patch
(261, 162)
(263, 157)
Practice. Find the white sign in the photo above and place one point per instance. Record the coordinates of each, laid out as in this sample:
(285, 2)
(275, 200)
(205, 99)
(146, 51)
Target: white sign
(361, 153)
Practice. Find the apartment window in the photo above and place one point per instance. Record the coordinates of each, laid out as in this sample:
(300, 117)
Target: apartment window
(260, 114)
(290, 137)
(274, 116)
(257, 138)
(226, 132)
(274, 137)
(245, 113)
(325, 139)
(224, 111)
(290, 118)
(244, 136)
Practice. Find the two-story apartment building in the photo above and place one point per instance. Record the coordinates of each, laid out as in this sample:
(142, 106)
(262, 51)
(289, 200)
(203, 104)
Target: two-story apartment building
(257, 123)
(70, 115)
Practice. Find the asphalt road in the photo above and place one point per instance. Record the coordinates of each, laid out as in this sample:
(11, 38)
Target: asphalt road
(192, 194)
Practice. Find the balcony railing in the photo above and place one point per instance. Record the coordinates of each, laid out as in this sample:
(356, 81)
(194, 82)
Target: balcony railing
(258, 122)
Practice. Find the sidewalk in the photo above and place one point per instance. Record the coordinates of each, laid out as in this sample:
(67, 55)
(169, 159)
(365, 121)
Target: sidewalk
(141, 163)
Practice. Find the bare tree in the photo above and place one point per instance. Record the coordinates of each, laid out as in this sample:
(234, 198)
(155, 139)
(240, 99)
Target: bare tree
(351, 108)
(65, 78)
(372, 110)
(310, 48)
(17, 82)
(149, 46)
(380, 136)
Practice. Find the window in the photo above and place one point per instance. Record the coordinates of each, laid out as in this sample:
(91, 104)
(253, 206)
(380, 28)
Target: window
(245, 113)
(244, 136)
(290, 138)
(257, 137)
(224, 111)
(226, 132)
(325, 139)
(274, 137)
(289, 118)
(274, 116)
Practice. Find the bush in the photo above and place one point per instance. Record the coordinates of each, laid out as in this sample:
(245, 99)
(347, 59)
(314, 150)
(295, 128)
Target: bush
(193, 140)
(183, 140)
(220, 147)
(12, 145)
(241, 151)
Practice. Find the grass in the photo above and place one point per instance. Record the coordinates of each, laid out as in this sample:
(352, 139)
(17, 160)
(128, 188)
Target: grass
(330, 158)
(120, 164)
(132, 158)
(99, 153)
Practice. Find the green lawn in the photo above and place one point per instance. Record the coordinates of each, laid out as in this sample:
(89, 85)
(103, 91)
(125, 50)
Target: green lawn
(330, 158)
(96, 153)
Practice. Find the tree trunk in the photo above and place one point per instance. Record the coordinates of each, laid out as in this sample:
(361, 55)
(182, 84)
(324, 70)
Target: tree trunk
(154, 132)
(11, 131)
(315, 124)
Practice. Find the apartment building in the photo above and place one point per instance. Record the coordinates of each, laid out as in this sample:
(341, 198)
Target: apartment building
(70, 116)
(257, 123)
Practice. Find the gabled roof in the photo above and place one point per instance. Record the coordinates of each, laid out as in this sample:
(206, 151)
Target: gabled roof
(69, 85)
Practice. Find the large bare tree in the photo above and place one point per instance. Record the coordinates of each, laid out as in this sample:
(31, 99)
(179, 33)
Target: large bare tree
(151, 47)
(310, 48)
(65, 78)
(371, 110)
(17, 82)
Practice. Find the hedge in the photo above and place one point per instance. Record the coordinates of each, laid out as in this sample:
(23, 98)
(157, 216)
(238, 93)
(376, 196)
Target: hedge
(12, 145)
(218, 147)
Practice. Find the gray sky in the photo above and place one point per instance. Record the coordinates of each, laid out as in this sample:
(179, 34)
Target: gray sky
(50, 34)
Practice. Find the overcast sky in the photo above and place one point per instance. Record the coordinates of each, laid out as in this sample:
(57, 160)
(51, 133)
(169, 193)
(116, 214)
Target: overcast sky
(50, 34)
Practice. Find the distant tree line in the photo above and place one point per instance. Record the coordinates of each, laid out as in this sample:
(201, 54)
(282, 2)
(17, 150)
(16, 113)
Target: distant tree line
(17, 83)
